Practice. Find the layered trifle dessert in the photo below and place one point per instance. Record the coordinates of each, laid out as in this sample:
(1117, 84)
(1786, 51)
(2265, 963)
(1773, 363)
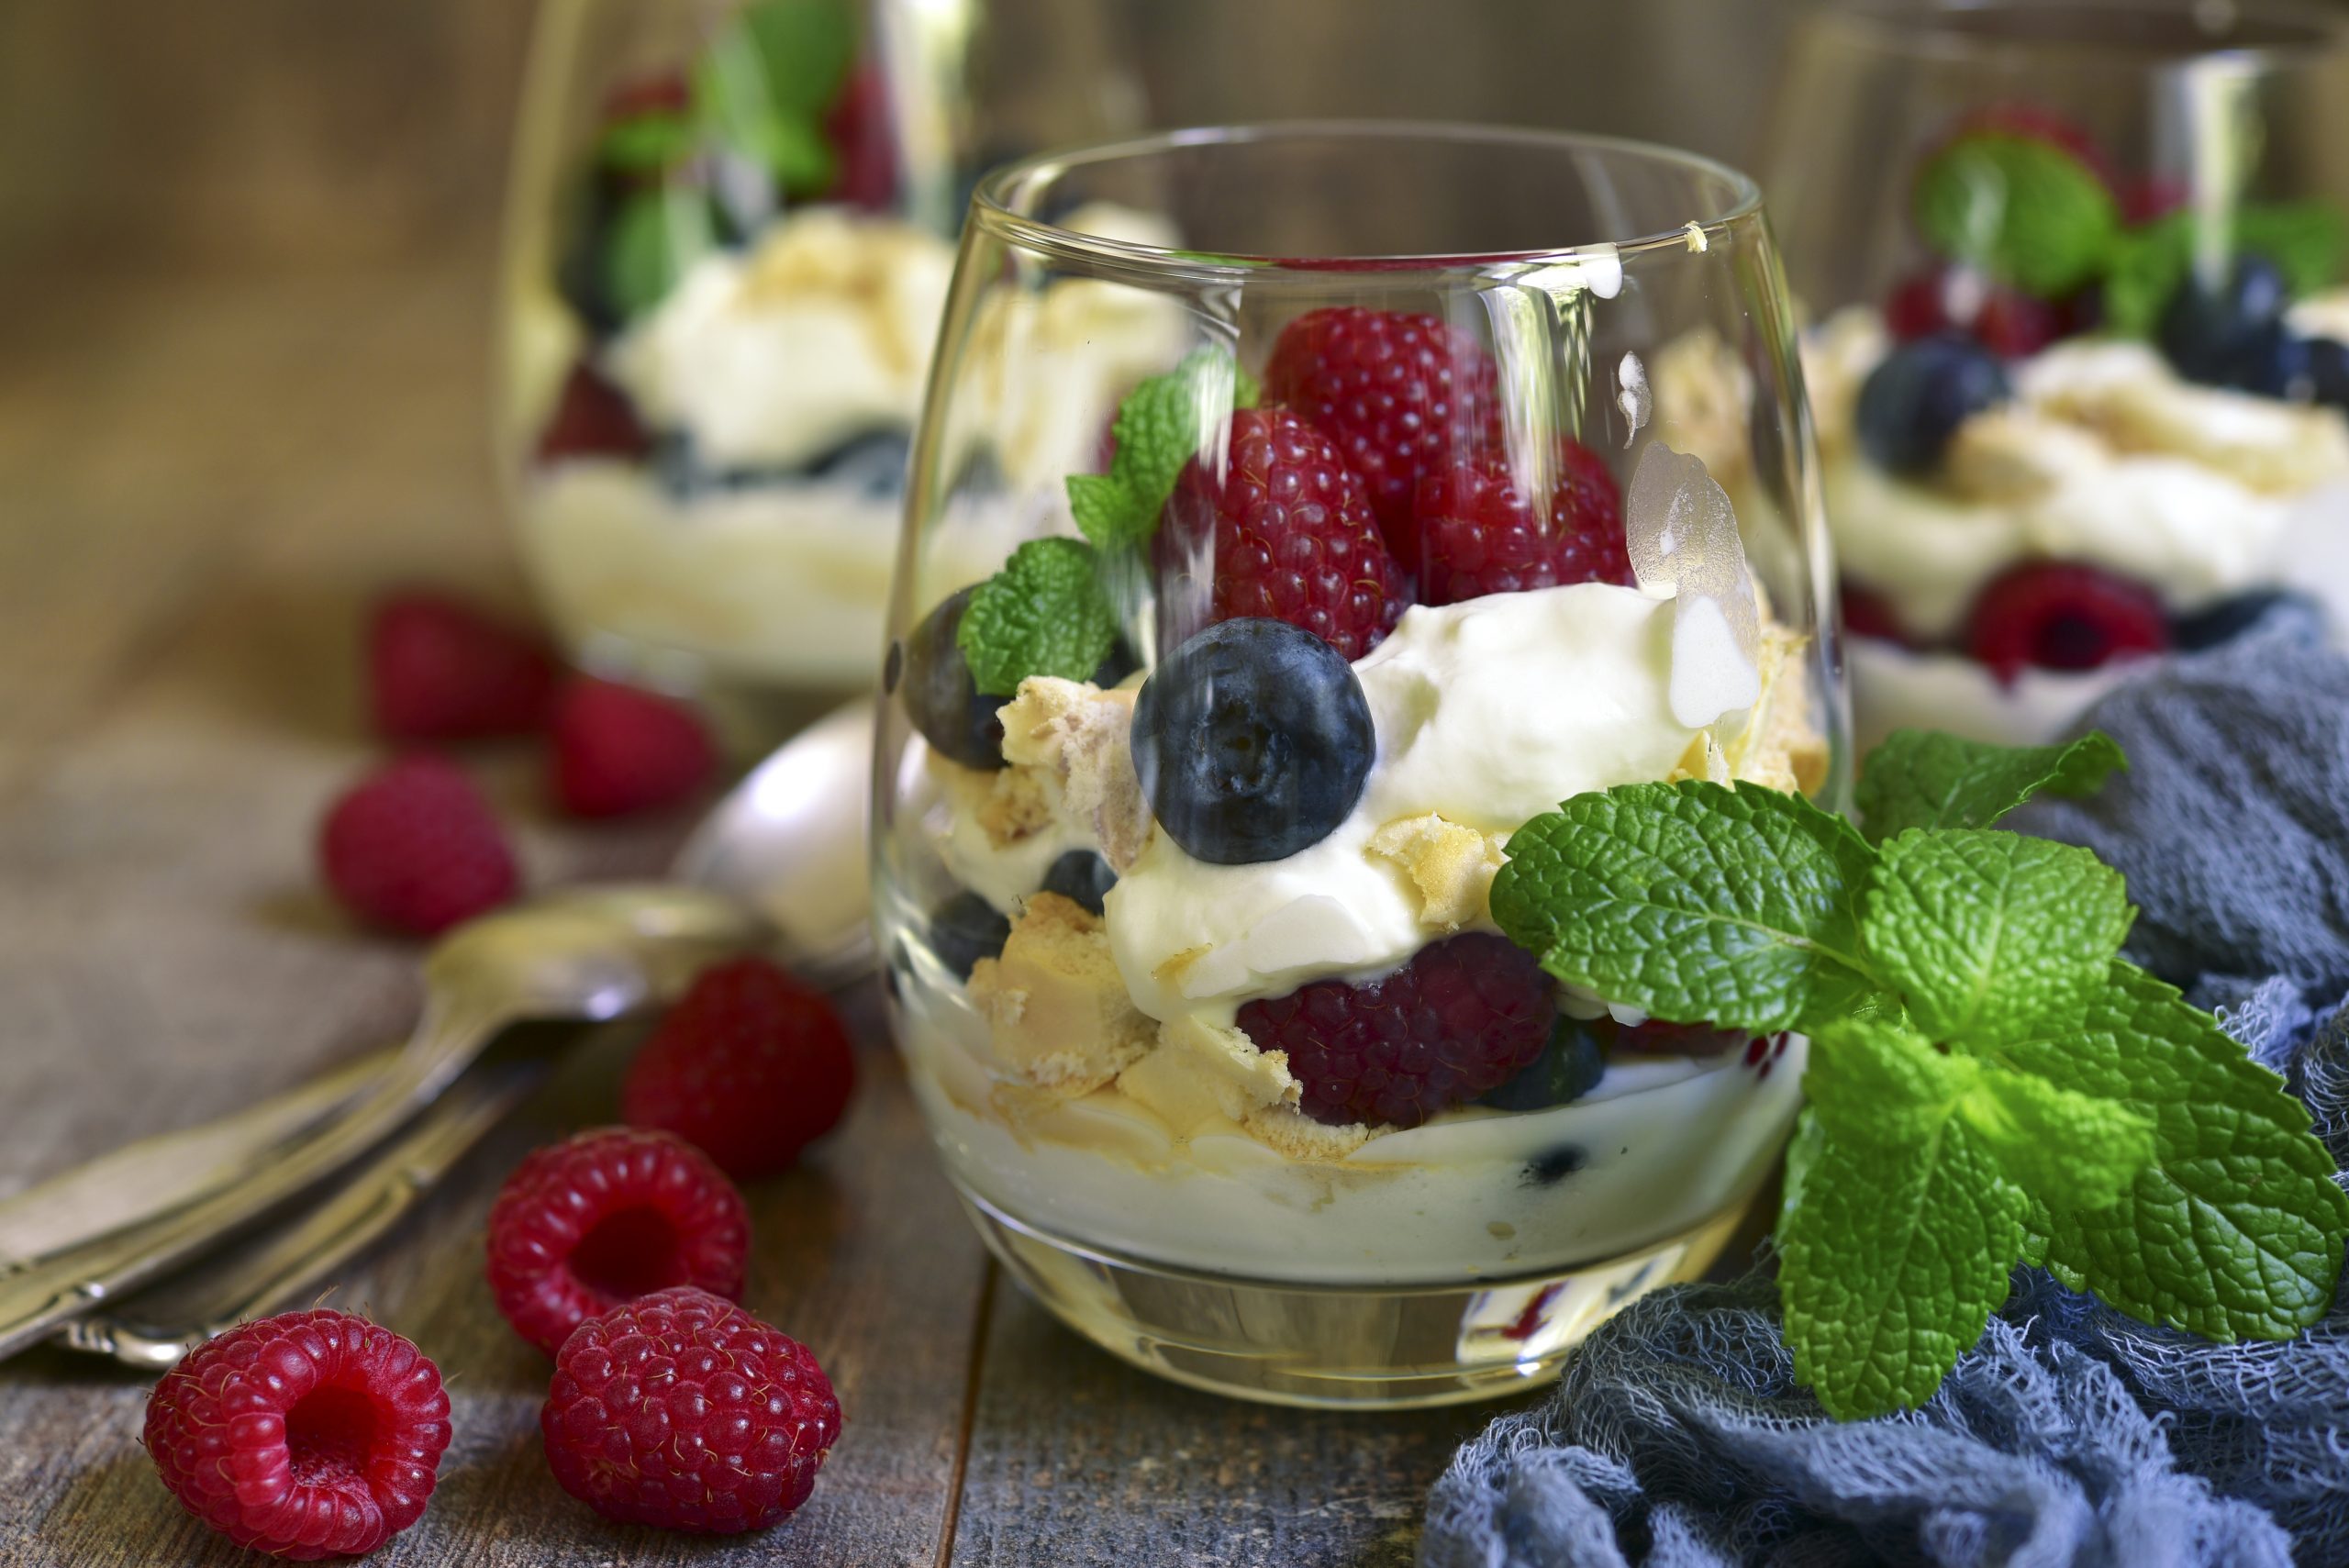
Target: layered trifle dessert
(720, 362)
(1192, 941)
(2096, 425)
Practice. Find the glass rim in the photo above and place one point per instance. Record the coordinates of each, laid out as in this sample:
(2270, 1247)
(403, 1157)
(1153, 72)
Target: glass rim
(1934, 30)
(991, 199)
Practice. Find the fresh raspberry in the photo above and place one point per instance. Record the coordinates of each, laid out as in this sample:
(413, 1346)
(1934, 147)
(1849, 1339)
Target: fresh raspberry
(437, 668)
(614, 1213)
(1867, 613)
(1464, 1017)
(750, 1066)
(2153, 196)
(662, 93)
(2062, 615)
(863, 149)
(684, 1412)
(618, 749)
(2008, 322)
(1399, 394)
(1680, 1040)
(415, 846)
(306, 1435)
(592, 418)
(1478, 533)
(1286, 532)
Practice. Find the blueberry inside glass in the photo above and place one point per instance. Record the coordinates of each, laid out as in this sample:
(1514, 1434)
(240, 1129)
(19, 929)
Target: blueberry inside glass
(2078, 358)
(1189, 804)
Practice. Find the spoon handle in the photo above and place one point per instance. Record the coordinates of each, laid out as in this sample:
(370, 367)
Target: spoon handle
(35, 1301)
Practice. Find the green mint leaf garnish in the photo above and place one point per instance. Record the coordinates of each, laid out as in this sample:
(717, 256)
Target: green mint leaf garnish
(655, 236)
(1892, 1258)
(1161, 424)
(1923, 778)
(1044, 613)
(2023, 210)
(648, 143)
(1988, 1085)
(767, 80)
(1991, 935)
(1698, 903)
(2307, 242)
(2235, 1229)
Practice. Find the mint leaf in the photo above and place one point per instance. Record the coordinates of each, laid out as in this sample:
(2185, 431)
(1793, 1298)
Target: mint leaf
(768, 78)
(2027, 212)
(1991, 934)
(2236, 1227)
(2066, 1149)
(646, 143)
(1872, 1080)
(2307, 240)
(1923, 778)
(655, 236)
(1161, 424)
(1044, 613)
(1892, 1258)
(1696, 903)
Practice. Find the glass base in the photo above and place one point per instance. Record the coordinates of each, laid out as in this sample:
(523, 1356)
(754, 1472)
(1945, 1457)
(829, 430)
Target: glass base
(1345, 1346)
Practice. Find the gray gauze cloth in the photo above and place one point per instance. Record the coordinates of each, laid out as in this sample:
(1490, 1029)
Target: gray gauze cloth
(2071, 1434)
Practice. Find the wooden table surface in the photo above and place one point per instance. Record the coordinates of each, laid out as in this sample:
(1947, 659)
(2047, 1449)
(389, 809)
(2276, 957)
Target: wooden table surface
(203, 478)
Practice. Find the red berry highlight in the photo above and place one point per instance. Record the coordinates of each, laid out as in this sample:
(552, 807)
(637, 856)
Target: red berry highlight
(1462, 1018)
(585, 1226)
(1478, 532)
(592, 418)
(414, 846)
(1285, 532)
(750, 1066)
(2062, 615)
(618, 749)
(1400, 394)
(684, 1412)
(437, 668)
(306, 1435)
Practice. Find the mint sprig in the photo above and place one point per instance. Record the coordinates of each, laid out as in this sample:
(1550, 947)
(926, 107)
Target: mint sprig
(1161, 424)
(768, 78)
(2307, 242)
(1988, 1082)
(1044, 613)
(2022, 209)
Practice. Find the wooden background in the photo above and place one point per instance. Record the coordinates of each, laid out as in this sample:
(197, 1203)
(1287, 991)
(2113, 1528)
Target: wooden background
(245, 262)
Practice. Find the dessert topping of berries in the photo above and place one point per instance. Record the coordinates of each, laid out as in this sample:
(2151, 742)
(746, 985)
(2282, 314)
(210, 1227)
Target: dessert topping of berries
(438, 669)
(1400, 394)
(2062, 615)
(414, 846)
(684, 1412)
(1478, 532)
(611, 1213)
(1283, 532)
(1252, 741)
(306, 1435)
(1462, 1018)
(2010, 324)
(941, 698)
(620, 750)
(750, 1066)
(2235, 334)
(1912, 404)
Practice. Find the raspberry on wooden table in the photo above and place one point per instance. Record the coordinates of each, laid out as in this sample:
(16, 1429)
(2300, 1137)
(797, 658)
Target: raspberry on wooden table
(306, 1435)
(750, 1066)
(1466, 1016)
(1476, 531)
(1283, 532)
(415, 846)
(437, 668)
(684, 1412)
(618, 749)
(1399, 393)
(613, 1214)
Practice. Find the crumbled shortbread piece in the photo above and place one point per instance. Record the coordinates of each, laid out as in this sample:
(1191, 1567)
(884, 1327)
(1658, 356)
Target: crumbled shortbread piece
(1054, 1002)
(1203, 1073)
(1009, 804)
(1451, 867)
(1297, 1136)
(1080, 735)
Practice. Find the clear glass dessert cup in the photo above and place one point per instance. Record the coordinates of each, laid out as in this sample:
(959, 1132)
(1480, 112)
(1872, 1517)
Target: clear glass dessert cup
(731, 234)
(1452, 472)
(2078, 350)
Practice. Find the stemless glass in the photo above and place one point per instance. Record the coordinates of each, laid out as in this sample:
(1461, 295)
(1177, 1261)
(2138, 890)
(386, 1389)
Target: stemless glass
(2077, 367)
(730, 235)
(1471, 473)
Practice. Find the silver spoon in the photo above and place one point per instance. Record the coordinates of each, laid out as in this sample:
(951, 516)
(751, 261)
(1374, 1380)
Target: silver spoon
(793, 831)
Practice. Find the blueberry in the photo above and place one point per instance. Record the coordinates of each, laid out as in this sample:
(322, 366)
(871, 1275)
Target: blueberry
(2232, 335)
(1913, 402)
(1082, 877)
(2230, 619)
(966, 929)
(873, 463)
(1552, 1167)
(2329, 371)
(1568, 1068)
(1252, 741)
(941, 698)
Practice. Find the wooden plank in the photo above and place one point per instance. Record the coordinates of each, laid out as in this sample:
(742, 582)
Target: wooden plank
(1079, 1461)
